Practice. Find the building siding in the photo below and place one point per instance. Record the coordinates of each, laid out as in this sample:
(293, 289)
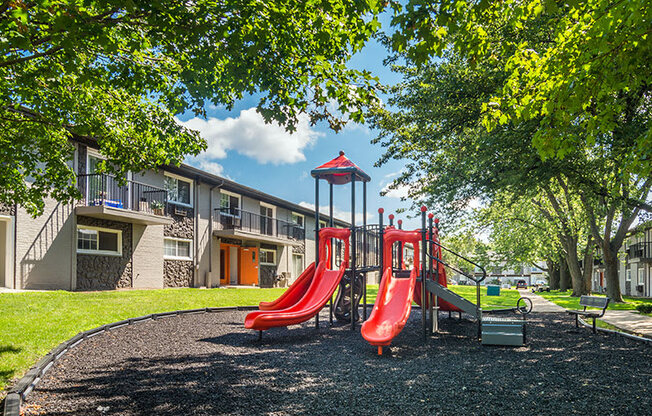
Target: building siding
(43, 247)
(147, 256)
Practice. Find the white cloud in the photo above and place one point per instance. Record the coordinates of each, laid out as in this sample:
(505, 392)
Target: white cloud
(210, 167)
(400, 192)
(338, 213)
(249, 135)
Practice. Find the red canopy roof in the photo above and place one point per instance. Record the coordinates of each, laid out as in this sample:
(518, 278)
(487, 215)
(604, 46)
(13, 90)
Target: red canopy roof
(340, 171)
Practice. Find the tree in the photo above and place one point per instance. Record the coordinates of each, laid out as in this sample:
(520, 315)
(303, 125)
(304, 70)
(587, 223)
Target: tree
(117, 72)
(592, 69)
(584, 84)
(519, 235)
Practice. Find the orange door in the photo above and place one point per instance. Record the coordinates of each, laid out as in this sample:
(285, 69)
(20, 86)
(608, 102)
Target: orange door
(248, 266)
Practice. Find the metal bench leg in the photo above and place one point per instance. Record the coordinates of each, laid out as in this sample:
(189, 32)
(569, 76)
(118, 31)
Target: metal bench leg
(594, 326)
(577, 321)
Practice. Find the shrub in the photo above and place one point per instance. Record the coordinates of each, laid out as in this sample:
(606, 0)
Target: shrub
(644, 308)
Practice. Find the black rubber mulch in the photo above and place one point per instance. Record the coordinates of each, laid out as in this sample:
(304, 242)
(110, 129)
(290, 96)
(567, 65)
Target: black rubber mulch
(209, 364)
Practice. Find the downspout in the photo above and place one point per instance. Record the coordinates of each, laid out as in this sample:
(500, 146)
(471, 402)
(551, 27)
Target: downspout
(210, 233)
(195, 236)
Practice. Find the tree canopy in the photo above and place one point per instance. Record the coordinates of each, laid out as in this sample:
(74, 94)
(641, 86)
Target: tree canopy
(591, 70)
(118, 71)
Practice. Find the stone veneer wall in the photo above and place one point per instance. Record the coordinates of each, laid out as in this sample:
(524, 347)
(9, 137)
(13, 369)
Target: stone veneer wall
(267, 276)
(628, 288)
(7, 209)
(81, 159)
(96, 272)
(179, 273)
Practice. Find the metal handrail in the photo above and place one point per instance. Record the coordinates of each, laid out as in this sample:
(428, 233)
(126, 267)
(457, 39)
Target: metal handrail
(477, 281)
(103, 189)
(238, 219)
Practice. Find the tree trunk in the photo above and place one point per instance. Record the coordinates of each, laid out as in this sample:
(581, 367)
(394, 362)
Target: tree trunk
(553, 274)
(564, 277)
(611, 266)
(574, 269)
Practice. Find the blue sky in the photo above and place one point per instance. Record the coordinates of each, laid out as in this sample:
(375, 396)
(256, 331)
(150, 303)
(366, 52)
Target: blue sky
(266, 157)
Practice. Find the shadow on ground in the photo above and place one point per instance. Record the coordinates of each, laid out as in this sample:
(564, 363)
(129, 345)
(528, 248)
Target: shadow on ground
(208, 364)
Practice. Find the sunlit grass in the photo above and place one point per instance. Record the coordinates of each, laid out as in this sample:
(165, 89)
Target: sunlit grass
(565, 300)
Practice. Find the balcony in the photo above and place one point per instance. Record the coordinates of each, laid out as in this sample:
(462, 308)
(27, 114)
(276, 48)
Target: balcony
(234, 222)
(641, 251)
(134, 202)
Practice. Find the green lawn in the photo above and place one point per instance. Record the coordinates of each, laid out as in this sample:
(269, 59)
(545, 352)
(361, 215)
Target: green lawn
(507, 298)
(565, 300)
(32, 323)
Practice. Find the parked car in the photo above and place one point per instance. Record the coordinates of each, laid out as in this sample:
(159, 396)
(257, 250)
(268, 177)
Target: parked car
(521, 284)
(540, 286)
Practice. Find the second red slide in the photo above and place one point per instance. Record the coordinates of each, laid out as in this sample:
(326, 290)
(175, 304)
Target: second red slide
(394, 301)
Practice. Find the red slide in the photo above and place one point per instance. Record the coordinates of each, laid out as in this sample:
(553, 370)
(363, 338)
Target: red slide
(394, 301)
(294, 307)
(294, 293)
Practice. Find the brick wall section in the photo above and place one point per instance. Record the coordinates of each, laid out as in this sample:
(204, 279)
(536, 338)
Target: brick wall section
(106, 272)
(177, 273)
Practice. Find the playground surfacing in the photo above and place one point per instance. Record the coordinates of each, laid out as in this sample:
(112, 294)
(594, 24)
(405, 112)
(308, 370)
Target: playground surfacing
(209, 364)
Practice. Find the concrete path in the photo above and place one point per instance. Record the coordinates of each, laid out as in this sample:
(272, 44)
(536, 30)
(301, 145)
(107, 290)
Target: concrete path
(539, 304)
(629, 321)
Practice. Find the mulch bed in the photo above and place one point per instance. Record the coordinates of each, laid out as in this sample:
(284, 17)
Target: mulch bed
(209, 364)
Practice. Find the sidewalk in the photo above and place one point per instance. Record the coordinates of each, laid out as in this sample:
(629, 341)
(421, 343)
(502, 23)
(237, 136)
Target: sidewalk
(628, 321)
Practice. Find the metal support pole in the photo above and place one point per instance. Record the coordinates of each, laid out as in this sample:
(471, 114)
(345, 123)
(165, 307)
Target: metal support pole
(330, 247)
(316, 236)
(431, 249)
(353, 250)
(381, 244)
(423, 270)
(400, 247)
(364, 250)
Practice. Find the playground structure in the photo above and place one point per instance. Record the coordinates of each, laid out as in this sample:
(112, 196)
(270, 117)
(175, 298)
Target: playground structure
(344, 257)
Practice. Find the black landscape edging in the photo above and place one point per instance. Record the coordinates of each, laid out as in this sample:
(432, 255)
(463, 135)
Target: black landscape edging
(621, 332)
(26, 384)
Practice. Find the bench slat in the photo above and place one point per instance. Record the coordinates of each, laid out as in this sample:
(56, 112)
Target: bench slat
(594, 301)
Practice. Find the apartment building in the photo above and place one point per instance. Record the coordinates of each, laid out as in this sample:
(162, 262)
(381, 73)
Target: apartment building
(635, 272)
(176, 227)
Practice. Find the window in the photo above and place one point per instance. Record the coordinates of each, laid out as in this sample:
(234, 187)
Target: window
(266, 219)
(179, 190)
(322, 224)
(640, 272)
(229, 204)
(101, 241)
(628, 275)
(297, 219)
(267, 256)
(177, 249)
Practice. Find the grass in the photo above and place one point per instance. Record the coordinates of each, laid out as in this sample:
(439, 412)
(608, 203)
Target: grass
(565, 300)
(33, 323)
(507, 298)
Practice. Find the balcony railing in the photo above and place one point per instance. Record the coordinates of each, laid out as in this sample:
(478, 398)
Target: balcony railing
(99, 189)
(237, 219)
(641, 251)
